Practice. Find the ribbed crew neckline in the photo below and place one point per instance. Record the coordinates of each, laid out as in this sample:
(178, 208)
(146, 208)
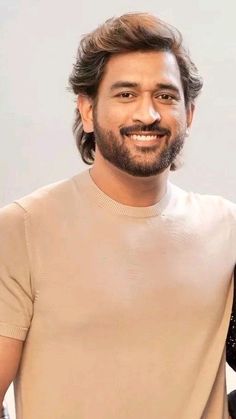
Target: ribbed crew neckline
(85, 180)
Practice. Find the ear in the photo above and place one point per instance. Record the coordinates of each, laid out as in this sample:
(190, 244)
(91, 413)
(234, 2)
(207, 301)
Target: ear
(85, 107)
(189, 113)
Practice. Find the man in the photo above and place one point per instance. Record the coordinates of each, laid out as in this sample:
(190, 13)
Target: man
(116, 285)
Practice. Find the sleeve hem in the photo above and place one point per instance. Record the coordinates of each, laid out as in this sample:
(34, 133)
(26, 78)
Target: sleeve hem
(13, 331)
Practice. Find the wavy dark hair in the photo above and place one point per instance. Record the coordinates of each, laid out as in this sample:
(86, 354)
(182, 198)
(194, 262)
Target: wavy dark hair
(129, 32)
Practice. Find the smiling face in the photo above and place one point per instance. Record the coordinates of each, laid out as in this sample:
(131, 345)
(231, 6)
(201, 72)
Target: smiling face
(139, 119)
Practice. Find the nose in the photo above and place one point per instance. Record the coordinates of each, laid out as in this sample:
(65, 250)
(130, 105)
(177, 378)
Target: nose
(146, 112)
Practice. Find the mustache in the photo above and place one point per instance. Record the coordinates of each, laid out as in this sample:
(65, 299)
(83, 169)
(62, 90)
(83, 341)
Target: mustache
(144, 128)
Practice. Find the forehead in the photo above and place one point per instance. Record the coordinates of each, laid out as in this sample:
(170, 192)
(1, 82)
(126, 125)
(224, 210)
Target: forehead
(144, 68)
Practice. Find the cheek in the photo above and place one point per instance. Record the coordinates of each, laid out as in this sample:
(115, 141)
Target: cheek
(111, 117)
(177, 119)
(114, 114)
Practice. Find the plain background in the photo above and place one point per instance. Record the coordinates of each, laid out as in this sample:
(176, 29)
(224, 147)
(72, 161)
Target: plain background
(38, 43)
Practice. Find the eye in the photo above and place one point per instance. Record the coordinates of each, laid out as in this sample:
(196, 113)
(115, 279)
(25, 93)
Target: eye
(125, 95)
(166, 97)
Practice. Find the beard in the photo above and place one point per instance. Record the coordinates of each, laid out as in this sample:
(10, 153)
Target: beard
(145, 160)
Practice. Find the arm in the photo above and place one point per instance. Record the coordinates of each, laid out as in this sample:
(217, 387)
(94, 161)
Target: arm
(10, 355)
(16, 296)
(15, 293)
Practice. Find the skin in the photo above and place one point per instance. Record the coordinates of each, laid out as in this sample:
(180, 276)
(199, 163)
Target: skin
(10, 356)
(143, 103)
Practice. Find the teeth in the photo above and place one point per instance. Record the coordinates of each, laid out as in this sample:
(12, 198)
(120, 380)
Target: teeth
(143, 137)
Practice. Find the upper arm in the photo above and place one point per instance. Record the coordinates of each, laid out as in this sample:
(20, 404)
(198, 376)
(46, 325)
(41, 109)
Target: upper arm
(10, 355)
(16, 297)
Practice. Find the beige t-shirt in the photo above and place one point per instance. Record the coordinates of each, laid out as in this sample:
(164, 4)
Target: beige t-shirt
(124, 310)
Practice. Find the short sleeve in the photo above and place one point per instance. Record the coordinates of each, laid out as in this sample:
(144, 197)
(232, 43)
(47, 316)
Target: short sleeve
(16, 299)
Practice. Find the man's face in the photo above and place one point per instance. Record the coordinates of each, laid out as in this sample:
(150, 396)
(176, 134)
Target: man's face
(140, 118)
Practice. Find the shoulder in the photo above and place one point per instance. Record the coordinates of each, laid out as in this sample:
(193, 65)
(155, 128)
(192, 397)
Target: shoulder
(205, 208)
(12, 221)
(214, 205)
(207, 201)
(52, 193)
(45, 202)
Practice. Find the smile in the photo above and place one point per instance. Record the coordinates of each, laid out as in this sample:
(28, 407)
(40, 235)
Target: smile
(145, 137)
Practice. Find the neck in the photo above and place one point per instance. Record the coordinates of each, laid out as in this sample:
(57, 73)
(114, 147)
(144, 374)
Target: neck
(129, 190)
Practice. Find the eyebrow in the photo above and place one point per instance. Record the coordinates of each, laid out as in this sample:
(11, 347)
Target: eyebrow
(128, 84)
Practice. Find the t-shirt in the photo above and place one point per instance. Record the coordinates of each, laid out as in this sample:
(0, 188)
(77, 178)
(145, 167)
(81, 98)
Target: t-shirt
(123, 310)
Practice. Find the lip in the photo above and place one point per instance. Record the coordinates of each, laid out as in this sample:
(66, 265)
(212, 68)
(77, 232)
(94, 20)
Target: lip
(152, 133)
(144, 143)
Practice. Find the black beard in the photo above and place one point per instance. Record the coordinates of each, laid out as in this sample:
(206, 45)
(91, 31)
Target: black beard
(117, 153)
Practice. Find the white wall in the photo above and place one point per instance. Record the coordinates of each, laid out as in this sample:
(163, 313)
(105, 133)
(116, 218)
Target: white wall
(38, 42)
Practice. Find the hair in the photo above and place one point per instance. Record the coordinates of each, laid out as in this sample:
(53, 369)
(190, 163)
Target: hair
(127, 33)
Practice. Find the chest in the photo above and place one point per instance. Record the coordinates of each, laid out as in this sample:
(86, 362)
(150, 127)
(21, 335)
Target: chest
(123, 275)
